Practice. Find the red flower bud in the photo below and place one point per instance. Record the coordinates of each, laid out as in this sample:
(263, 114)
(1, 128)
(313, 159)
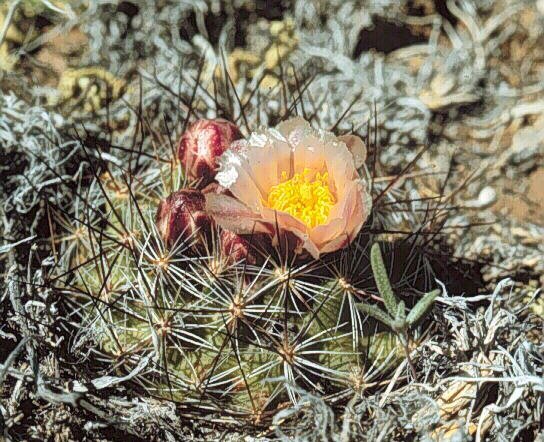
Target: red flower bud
(216, 188)
(202, 144)
(237, 248)
(181, 215)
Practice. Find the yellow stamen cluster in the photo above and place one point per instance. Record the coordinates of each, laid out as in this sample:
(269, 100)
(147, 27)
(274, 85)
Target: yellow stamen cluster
(309, 200)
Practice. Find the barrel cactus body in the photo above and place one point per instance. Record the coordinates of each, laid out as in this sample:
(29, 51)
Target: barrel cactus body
(225, 320)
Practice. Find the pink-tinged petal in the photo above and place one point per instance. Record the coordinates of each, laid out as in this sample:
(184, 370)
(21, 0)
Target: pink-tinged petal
(340, 166)
(356, 211)
(360, 211)
(352, 210)
(338, 210)
(293, 129)
(349, 217)
(351, 198)
(320, 235)
(287, 223)
(357, 148)
(252, 168)
(236, 175)
(268, 162)
(310, 247)
(231, 214)
(309, 153)
(283, 220)
(336, 244)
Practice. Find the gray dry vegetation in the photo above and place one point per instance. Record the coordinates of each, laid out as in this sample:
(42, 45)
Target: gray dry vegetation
(450, 95)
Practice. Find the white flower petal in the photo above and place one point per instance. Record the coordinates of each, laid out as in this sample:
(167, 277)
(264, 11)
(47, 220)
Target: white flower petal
(357, 148)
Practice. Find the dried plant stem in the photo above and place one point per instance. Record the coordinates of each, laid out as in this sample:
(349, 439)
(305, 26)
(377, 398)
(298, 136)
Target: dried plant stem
(405, 341)
(8, 19)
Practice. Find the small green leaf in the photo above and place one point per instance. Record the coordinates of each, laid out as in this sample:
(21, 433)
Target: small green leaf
(382, 280)
(401, 311)
(422, 307)
(400, 326)
(376, 313)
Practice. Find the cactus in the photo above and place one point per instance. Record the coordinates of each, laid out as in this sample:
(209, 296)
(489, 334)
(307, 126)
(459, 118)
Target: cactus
(231, 322)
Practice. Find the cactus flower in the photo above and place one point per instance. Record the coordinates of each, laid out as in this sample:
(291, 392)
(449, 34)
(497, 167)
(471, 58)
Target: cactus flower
(202, 144)
(296, 180)
(181, 215)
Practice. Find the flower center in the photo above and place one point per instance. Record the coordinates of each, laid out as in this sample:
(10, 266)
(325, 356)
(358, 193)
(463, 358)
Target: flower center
(309, 200)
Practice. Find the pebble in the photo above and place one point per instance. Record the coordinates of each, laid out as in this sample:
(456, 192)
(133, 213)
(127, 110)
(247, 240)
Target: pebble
(487, 197)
